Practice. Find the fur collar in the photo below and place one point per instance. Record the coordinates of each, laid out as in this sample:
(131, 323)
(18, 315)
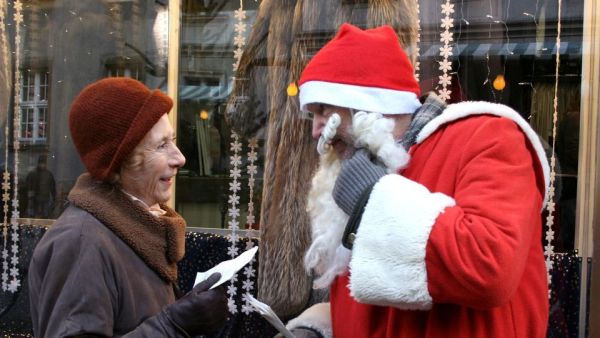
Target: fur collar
(158, 241)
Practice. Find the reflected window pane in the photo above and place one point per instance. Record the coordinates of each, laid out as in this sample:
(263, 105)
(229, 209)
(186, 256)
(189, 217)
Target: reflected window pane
(208, 33)
(66, 45)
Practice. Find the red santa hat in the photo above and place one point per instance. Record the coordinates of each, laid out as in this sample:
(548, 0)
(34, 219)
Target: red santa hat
(364, 70)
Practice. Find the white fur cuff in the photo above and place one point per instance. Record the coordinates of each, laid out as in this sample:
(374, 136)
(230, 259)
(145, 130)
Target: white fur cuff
(388, 256)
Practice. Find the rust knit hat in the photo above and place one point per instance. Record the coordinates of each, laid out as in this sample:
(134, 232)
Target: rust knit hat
(109, 118)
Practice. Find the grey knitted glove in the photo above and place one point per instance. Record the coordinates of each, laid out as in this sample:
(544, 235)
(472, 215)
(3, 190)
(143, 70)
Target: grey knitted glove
(358, 174)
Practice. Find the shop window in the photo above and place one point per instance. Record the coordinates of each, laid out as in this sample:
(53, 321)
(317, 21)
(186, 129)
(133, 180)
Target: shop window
(206, 75)
(64, 46)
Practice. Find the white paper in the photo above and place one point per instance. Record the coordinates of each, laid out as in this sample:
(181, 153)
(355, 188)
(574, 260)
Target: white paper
(227, 268)
(266, 311)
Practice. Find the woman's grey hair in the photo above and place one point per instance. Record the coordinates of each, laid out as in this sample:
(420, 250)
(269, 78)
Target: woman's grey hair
(134, 161)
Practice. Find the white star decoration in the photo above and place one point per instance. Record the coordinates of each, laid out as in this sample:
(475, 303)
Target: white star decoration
(14, 284)
(233, 212)
(447, 23)
(235, 186)
(240, 28)
(232, 251)
(233, 237)
(446, 37)
(233, 224)
(445, 51)
(236, 145)
(418, 41)
(445, 65)
(239, 42)
(11, 267)
(445, 80)
(235, 173)
(240, 14)
(550, 204)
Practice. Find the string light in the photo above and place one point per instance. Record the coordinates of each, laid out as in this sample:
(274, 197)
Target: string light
(292, 89)
(203, 114)
(499, 82)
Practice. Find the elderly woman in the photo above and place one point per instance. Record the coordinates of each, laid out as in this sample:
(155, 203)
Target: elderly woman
(108, 266)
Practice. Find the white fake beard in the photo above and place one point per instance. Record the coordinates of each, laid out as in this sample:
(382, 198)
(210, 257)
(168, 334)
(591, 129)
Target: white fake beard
(326, 256)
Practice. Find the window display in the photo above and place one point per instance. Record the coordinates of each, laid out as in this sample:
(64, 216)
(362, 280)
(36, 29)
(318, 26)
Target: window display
(250, 155)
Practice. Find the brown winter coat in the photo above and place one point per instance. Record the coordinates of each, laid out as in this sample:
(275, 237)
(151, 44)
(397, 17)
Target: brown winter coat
(107, 278)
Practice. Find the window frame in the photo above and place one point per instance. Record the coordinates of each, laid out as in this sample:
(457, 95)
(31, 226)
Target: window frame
(39, 107)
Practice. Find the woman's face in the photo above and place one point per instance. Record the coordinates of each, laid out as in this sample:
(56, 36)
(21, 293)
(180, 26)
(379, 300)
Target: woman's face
(148, 173)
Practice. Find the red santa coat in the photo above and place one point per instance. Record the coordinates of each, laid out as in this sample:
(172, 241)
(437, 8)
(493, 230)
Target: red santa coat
(452, 246)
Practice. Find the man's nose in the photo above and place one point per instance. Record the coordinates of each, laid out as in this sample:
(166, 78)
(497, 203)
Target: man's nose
(317, 127)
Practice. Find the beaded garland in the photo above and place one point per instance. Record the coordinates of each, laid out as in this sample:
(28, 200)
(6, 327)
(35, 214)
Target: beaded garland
(249, 270)
(235, 186)
(445, 80)
(233, 212)
(239, 40)
(418, 42)
(550, 204)
(6, 174)
(10, 269)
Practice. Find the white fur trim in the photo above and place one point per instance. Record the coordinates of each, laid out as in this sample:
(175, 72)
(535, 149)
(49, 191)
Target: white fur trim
(388, 256)
(463, 109)
(381, 100)
(316, 317)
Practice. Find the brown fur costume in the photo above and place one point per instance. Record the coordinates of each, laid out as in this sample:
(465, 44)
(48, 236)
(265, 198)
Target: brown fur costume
(284, 37)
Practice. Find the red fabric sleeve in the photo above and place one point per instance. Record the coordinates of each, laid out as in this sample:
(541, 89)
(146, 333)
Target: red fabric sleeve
(478, 249)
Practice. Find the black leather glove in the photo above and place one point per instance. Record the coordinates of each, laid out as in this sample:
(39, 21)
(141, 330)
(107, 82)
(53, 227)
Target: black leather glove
(200, 311)
(358, 173)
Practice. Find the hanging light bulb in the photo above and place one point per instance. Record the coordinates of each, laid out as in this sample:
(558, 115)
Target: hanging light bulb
(499, 82)
(292, 89)
(203, 115)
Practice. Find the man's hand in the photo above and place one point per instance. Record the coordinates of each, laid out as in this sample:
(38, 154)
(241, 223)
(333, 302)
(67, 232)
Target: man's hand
(358, 173)
(302, 333)
(200, 311)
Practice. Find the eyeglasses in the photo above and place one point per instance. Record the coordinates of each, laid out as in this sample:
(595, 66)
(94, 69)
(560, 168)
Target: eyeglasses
(307, 115)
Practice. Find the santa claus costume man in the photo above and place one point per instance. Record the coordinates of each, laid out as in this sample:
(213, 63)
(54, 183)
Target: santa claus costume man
(425, 217)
